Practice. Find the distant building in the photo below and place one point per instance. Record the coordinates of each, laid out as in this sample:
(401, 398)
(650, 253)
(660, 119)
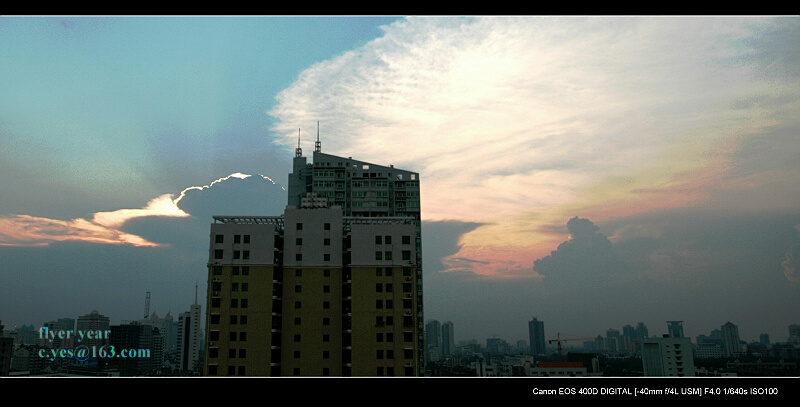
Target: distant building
(668, 357)
(94, 322)
(730, 339)
(537, 339)
(189, 339)
(448, 339)
(433, 340)
(675, 329)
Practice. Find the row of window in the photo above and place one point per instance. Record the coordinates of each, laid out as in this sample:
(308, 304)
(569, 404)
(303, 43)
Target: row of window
(237, 254)
(232, 370)
(387, 255)
(236, 239)
(299, 226)
(236, 270)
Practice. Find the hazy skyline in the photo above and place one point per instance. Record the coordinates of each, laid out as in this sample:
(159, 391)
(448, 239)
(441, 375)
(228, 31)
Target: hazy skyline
(591, 171)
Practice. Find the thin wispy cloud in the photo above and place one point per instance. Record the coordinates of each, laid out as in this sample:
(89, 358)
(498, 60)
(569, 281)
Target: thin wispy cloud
(523, 123)
(104, 227)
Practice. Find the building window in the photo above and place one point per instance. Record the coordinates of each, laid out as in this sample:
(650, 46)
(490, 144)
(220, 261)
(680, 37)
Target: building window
(378, 321)
(406, 239)
(246, 255)
(379, 372)
(235, 303)
(326, 321)
(245, 270)
(298, 304)
(378, 304)
(406, 287)
(298, 257)
(387, 255)
(242, 336)
(407, 271)
(219, 238)
(326, 289)
(235, 270)
(378, 239)
(327, 226)
(213, 336)
(379, 337)
(408, 353)
(387, 240)
(298, 288)
(234, 319)
(378, 288)
(326, 257)
(326, 354)
(298, 241)
(389, 304)
(232, 355)
(379, 354)
(326, 273)
(326, 338)
(241, 368)
(217, 270)
(243, 320)
(326, 242)
(214, 318)
(245, 286)
(235, 287)
(408, 337)
(378, 271)
(297, 354)
(236, 254)
(299, 226)
(388, 271)
(213, 353)
(406, 254)
(237, 238)
(247, 239)
(378, 255)
(218, 254)
(215, 302)
(390, 369)
(388, 287)
(298, 273)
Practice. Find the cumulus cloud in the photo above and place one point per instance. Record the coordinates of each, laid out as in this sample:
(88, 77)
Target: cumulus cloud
(588, 254)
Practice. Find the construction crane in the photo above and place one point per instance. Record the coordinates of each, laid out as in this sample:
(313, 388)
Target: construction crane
(559, 340)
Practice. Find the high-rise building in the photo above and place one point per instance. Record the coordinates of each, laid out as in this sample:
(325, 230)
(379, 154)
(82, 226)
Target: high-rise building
(668, 356)
(331, 288)
(730, 339)
(448, 339)
(433, 340)
(536, 333)
(95, 322)
(189, 338)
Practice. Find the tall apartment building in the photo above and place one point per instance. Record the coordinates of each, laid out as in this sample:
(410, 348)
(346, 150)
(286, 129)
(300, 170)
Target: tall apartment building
(668, 356)
(331, 288)
(189, 338)
(448, 339)
(536, 334)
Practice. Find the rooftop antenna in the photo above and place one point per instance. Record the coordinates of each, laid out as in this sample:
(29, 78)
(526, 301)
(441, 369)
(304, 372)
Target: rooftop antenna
(147, 304)
(298, 152)
(317, 145)
(195, 293)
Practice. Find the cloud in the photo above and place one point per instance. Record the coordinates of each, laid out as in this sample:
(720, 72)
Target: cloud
(104, 227)
(518, 122)
(587, 255)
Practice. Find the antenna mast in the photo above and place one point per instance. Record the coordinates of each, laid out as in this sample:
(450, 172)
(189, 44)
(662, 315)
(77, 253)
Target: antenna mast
(317, 145)
(298, 152)
(147, 304)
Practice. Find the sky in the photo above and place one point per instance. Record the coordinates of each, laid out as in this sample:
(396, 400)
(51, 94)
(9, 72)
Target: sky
(593, 172)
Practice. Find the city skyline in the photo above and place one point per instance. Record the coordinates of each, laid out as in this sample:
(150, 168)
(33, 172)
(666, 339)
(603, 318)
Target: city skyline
(596, 172)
